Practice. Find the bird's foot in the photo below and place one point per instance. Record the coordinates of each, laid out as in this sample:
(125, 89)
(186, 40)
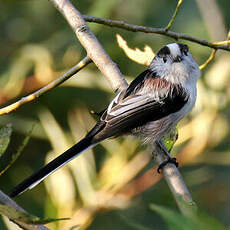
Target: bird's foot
(171, 160)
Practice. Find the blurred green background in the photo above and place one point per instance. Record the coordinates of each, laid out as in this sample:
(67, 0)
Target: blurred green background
(109, 187)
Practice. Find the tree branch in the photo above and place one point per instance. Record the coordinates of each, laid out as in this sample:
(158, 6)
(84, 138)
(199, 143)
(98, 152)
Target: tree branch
(211, 57)
(5, 200)
(175, 182)
(174, 15)
(84, 62)
(135, 28)
(89, 41)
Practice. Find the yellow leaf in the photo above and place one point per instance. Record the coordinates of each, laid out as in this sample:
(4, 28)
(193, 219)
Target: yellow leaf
(142, 57)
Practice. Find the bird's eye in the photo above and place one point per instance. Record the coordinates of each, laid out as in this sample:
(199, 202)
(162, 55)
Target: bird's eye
(164, 59)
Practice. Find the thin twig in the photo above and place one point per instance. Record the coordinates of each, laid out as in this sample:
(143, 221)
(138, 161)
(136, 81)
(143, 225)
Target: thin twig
(94, 49)
(211, 57)
(84, 62)
(162, 31)
(174, 15)
(222, 43)
(5, 200)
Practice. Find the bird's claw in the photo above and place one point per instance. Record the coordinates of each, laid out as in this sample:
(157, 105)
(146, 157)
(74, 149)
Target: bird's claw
(169, 160)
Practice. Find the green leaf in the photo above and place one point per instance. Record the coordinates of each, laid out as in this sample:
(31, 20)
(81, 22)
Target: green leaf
(7, 161)
(171, 138)
(197, 220)
(24, 217)
(207, 222)
(133, 223)
(5, 134)
(175, 220)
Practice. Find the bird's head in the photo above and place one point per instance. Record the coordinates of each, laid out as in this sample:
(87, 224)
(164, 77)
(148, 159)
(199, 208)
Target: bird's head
(174, 63)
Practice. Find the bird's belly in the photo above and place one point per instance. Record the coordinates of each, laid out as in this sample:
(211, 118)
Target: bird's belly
(153, 130)
(156, 130)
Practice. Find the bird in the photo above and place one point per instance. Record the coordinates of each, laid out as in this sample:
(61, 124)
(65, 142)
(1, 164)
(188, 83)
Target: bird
(153, 103)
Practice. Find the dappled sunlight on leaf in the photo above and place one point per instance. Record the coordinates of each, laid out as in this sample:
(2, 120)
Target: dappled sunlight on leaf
(79, 127)
(60, 185)
(31, 57)
(141, 57)
(88, 79)
(218, 75)
(42, 60)
(110, 173)
(201, 130)
(83, 168)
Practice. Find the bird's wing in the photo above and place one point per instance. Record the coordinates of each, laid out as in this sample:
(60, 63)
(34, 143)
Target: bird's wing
(125, 113)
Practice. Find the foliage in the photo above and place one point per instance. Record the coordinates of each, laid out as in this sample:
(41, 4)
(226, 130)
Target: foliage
(7, 159)
(24, 217)
(5, 133)
(97, 188)
(198, 220)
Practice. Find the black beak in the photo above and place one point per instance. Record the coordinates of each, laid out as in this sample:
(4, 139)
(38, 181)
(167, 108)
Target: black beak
(178, 59)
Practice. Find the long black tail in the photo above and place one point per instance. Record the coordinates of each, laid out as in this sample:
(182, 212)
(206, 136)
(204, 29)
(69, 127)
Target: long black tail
(58, 162)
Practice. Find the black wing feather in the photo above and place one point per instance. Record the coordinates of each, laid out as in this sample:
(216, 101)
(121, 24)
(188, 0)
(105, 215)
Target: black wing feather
(52, 166)
(150, 111)
(140, 112)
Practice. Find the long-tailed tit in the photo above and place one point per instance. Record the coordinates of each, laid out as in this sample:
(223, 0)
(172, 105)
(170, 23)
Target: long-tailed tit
(153, 103)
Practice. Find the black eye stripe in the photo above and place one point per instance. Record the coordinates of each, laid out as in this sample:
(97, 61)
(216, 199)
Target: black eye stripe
(183, 48)
(163, 52)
